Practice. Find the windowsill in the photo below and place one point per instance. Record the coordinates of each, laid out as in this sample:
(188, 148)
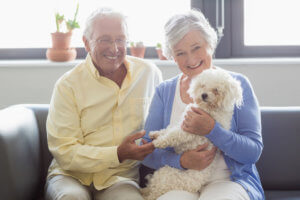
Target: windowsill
(259, 61)
(37, 63)
(227, 62)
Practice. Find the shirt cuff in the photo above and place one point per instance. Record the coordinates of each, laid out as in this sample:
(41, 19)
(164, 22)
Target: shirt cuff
(112, 156)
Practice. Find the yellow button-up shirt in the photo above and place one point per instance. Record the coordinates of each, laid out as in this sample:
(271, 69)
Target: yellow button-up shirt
(90, 115)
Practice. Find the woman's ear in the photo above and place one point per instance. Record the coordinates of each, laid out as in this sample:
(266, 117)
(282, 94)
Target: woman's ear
(86, 44)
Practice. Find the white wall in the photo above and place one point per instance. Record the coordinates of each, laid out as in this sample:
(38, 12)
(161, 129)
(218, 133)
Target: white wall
(275, 81)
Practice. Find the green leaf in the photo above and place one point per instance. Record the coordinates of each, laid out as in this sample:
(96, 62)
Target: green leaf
(58, 20)
(72, 24)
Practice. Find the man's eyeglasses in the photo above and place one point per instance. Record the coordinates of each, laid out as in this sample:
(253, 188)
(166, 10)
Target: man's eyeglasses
(106, 42)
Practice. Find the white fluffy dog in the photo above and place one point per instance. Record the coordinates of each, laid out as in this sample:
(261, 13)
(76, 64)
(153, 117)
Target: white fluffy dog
(216, 92)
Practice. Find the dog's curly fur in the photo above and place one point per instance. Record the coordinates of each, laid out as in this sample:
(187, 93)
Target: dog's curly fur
(216, 92)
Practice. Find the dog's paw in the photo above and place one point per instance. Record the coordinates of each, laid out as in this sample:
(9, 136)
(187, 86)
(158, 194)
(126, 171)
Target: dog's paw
(160, 142)
(154, 135)
(145, 191)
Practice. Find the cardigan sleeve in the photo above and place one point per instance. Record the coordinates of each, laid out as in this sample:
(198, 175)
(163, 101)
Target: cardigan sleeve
(155, 121)
(242, 143)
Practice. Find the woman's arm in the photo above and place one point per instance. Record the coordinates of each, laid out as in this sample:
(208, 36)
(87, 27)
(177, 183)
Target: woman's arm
(244, 144)
(196, 159)
(155, 121)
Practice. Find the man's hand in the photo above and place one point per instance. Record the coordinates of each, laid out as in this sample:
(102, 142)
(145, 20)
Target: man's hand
(128, 149)
(198, 158)
(198, 122)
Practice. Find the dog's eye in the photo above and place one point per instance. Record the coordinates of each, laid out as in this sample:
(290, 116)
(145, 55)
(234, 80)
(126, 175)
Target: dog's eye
(215, 91)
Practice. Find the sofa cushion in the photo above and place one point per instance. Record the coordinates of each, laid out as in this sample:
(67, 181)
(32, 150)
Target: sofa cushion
(282, 195)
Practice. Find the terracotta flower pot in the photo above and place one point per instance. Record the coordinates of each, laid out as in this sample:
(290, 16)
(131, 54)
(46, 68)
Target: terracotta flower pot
(61, 51)
(61, 55)
(160, 54)
(61, 40)
(138, 51)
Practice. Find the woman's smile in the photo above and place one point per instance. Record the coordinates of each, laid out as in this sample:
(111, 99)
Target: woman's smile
(196, 66)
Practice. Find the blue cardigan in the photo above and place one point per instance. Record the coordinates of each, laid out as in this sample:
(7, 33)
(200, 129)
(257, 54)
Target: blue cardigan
(241, 145)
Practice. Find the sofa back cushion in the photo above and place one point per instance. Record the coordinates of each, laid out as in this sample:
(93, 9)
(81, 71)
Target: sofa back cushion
(279, 164)
(41, 112)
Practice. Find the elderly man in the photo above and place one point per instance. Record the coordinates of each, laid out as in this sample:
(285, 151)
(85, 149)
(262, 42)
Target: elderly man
(96, 111)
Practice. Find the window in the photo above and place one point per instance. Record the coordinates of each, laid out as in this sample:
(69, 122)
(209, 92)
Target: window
(272, 23)
(257, 28)
(26, 25)
(252, 28)
(265, 28)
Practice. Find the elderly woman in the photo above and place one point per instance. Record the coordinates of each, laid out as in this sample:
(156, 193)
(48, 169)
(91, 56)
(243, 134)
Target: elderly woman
(191, 42)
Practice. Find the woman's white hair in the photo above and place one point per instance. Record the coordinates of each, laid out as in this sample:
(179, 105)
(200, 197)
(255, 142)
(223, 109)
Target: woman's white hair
(180, 24)
(101, 13)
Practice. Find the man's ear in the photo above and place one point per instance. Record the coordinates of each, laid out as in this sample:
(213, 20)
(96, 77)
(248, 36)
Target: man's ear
(174, 58)
(86, 44)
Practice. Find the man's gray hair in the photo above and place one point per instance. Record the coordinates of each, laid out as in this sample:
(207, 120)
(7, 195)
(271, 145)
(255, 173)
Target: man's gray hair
(180, 24)
(100, 13)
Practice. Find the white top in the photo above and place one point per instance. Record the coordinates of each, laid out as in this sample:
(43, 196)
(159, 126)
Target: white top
(178, 107)
(222, 171)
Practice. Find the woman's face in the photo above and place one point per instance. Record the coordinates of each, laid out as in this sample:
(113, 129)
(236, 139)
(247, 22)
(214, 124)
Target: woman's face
(191, 54)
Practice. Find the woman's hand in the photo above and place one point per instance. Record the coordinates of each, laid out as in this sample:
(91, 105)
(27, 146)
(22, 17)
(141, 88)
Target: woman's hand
(198, 158)
(198, 122)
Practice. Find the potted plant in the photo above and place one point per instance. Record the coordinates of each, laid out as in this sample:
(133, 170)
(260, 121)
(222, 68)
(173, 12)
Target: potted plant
(61, 50)
(159, 52)
(137, 49)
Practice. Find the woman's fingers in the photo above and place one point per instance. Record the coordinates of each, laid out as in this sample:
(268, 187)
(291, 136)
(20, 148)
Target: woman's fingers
(202, 147)
(197, 110)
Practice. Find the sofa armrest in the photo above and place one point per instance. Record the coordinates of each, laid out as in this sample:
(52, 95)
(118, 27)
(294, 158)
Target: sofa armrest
(279, 163)
(19, 153)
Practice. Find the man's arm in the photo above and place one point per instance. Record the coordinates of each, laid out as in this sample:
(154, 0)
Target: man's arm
(66, 140)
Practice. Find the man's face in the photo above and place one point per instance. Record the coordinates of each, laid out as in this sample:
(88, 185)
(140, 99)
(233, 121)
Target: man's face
(107, 45)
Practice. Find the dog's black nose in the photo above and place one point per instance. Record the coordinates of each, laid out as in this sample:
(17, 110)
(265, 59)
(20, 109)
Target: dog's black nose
(204, 96)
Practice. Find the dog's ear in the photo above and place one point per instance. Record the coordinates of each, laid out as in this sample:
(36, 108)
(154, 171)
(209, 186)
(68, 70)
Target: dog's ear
(192, 88)
(233, 95)
(237, 92)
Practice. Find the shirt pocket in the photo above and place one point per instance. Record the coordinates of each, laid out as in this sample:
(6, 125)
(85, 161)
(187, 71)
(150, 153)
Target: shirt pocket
(138, 112)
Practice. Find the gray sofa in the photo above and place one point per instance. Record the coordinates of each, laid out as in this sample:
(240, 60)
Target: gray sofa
(24, 155)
